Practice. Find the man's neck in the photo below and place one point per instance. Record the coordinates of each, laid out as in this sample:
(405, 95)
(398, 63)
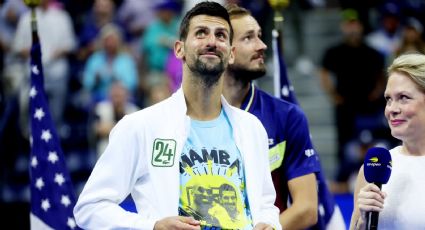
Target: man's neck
(234, 90)
(202, 103)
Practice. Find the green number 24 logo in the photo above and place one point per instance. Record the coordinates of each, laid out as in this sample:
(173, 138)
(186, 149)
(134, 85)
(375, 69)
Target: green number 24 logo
(164, 152)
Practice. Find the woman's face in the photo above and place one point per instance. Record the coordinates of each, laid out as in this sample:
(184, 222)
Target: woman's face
(405, 108)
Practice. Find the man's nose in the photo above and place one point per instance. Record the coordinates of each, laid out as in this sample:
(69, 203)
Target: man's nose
(211, 40)
(260, 44)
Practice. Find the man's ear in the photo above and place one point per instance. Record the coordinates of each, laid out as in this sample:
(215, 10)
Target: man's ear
(179, 49)
(232, 55)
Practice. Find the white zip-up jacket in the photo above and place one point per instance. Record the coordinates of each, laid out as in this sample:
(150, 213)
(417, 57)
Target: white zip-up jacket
(142, 159)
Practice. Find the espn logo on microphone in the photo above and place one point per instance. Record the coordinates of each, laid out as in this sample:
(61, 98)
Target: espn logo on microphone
(377, 165)
(374, 162)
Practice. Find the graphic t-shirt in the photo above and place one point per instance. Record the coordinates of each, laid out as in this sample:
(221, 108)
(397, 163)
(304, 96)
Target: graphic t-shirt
(212, 180)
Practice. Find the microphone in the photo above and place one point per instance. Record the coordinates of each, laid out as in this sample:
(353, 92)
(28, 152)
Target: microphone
(377, 170)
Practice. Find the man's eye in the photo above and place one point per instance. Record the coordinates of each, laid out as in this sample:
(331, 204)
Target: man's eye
(200, 33)
(221, 35)
(247, 38)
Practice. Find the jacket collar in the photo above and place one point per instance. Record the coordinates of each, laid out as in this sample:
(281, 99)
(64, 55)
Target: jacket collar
(181, 108)
(180, 101)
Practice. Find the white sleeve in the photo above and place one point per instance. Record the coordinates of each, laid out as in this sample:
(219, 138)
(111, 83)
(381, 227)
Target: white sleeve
(269, 213)
(113, 178)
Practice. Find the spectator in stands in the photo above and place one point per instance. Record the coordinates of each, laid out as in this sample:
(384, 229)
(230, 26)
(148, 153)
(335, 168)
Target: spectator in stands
(411, 38)
(386, 38)
(158, 40)
(102, 13)
(109, 64)
(13, 72)
(156, 44)
(109, 112)
(352, 76)
(134, 16)
(57, 40)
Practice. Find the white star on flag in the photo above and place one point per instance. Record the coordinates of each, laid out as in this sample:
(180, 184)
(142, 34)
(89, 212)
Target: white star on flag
(285, 91)
(71, 223)
(59, 179)
(39, 114)
(35, 70)
(283, 88)
(65, 200)
(34, 161)
(45, 204)
(53, 157)
(39, 183)
(33, 92)
(46, 135)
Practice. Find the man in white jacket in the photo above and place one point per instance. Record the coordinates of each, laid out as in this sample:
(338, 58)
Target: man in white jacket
(191, 161)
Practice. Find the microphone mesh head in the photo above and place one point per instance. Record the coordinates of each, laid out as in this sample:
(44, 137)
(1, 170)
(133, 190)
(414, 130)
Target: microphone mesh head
(377, 165)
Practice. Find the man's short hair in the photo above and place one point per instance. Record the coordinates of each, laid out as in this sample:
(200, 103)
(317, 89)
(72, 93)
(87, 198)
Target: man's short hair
(204, 8)
(236, 11)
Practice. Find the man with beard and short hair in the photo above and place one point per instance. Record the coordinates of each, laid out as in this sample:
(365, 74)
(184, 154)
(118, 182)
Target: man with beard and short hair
(352, 76)
(297, 175)
(192, 139)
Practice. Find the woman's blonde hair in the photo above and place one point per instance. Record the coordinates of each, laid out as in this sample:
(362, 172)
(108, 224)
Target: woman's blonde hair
(412, 65)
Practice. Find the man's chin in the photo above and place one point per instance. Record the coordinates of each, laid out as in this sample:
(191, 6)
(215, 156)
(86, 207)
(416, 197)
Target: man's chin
(210, 60)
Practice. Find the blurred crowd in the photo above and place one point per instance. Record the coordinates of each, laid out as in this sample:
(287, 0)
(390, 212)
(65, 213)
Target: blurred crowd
(103, 59)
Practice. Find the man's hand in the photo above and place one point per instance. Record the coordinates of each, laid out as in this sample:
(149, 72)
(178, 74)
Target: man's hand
(263, 226)
(178, 223)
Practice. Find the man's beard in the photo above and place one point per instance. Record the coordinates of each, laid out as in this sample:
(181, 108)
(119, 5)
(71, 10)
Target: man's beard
(209, 75)
(243, 74)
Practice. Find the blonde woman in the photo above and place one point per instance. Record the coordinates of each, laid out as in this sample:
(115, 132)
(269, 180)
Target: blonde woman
(401, 204)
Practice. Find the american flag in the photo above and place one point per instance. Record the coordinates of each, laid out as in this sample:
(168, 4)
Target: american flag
(282, 86)
(52, 194)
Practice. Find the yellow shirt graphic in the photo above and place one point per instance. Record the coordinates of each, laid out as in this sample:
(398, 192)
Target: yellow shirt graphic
(212, 181)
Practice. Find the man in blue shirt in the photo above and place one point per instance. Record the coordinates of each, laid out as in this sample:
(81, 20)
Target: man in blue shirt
(302, 196)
